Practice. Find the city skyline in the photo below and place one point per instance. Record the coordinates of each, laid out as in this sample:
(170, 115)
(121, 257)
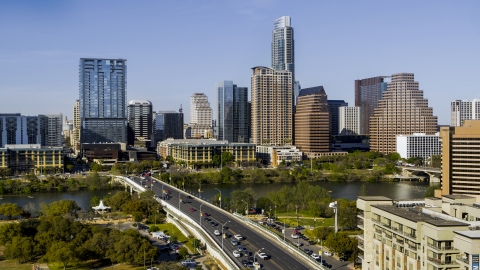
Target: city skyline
(40, 49)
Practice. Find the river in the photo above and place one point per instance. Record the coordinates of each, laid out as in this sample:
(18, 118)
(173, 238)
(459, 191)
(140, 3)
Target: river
(348, 190)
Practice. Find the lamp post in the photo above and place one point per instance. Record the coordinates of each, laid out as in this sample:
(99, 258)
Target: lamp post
(334, 206)
(247, 206)
(256, 254)
(201, 215)
(222, 232)
(296, 213)
(179, 200)
(284, 230)
(220, 199)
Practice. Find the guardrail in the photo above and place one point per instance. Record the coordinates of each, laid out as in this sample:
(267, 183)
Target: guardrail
(270, 234)
(214, 248)
(289, 245)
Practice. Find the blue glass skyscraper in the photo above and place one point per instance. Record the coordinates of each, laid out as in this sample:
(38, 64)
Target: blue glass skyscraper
(283, 57)
(232, 112)
(103, 95)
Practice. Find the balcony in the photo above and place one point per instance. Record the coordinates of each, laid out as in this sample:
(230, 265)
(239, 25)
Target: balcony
(413, 236)
(463, 258)
(440, 262)
(361, 256)
(378, 231)
(360, 237)
(440, 248)
(400, 242)
(411, 247)
(388, 236)
(360, 224)
(386, 225)
(376, 221)
(361, 245)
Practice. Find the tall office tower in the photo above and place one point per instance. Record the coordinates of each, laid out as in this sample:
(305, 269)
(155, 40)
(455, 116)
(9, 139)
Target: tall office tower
(200, 116)
(51, 130)
(367, 94)
(168, 124)
(333, 106)
(283, 57)
(271, 106)
(232, 112)
(462, 110)
(401, 111)
(45, 130)
(312, 120)
(249, 120)
(296, 92)
(103, 95)
(349, 120)
(460, 159)
(76, 123)
(140, 119)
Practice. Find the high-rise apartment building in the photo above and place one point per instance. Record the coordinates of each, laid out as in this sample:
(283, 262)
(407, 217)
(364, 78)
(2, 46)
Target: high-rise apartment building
(232, 112)
(168, 124)
(103, 95)
(401, 111)
(200, 116)
(140, 119)
(461, 159)
(349, 120)
(462, 110)
(271, 106)
(45, 130)
(312, 120)
(76, 124)
(333, 106)
(419, 145)
(367, 94)
(283, 57)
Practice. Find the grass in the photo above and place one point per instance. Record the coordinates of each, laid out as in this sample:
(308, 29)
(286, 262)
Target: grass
(14, 265)
(211, 264)
(308, 222)
(170, 229)
(93, 265)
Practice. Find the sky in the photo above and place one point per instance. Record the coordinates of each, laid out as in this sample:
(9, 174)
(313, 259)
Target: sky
(176, 48)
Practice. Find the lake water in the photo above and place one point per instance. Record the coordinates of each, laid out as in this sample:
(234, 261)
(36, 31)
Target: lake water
(348, 190)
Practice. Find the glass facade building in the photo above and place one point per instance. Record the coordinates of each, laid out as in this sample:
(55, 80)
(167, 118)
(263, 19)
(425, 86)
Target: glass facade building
(103, 106)
(140, 120)
(283, 45)
(168, 124)
(367, 94)
(232, 112)
(333, 108)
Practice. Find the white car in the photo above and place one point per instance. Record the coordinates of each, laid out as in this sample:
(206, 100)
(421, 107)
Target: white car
(294, 236)
(189, 263)
(234, 242)
(315, 256)
(238, 237)
(327, 253)
(263, 256)
(216, 232)
(236, 254)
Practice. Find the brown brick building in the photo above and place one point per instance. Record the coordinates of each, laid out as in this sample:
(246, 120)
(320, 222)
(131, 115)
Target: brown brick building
(401, 111)
(312, 130)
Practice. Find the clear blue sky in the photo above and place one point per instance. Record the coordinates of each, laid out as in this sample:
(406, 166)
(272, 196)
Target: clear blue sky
(175, 48)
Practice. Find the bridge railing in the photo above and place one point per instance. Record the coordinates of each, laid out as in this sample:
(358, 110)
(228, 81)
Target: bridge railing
(132, 183)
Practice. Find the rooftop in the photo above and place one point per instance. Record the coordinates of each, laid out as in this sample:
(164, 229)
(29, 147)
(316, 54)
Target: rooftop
(458, 196)
(374, 198)
(469, 234)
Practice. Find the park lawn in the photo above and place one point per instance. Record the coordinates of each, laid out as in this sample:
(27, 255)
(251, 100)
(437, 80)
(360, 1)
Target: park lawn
(12, 265)
(93, 265)
(308, 222)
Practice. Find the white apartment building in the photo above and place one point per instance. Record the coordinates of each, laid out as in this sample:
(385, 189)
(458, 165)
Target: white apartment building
(274, 155)
(349, 122)
(429, 234)
(200, 117)
(462, 110)
(419, 145)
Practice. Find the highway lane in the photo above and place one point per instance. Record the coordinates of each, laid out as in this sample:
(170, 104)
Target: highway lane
(279, 257)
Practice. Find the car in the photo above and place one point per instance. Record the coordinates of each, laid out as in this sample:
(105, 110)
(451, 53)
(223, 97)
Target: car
(234, 242)
(311, 242)
(190, 197)
(263, 256)
(189, 263)
(294, 236)
(251, 259)
(192, 209)
(250, 265)
(236, 254)
(344, 258)
(244, 262)
(216, 232)
(257, 265)
(238, 237)
(207, 219)
(213, 224)
(206, 214)
(308, 251)
(298, 244)
(315, 256)
(239, 248)
(244, 250)
(327, 253)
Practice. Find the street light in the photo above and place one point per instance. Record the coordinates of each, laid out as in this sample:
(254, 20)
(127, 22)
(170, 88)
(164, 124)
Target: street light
(334, 206)
(201, 215)
(222, 232)
(179, 194)
(256, 254)
(220, 199)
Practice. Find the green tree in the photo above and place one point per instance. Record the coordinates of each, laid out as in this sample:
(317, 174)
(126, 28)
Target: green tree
(61, 252)
(62, 207)
(430, 192)
(340, 243)
(363, 190)
(138, 216)
(227, 158)
(8, 231)
(347, 212)
(394, 157)
(173, 239)
(153, 228)
(321, 233)
(22, 248)
(117, 201)
(11, 210)
(95, 201)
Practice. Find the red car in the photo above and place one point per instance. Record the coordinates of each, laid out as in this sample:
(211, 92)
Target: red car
(192, 210)
(206, 214)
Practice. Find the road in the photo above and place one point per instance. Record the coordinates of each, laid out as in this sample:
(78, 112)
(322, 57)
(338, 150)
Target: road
(253, 241)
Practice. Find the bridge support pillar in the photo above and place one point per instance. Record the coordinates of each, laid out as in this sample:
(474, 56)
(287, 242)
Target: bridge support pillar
(131, 190)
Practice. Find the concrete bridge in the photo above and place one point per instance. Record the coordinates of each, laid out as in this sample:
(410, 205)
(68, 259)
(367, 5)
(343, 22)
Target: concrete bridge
(134, 186)
(435, 174)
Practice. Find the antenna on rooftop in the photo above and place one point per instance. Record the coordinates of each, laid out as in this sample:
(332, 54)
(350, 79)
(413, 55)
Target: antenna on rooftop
(181, 110)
